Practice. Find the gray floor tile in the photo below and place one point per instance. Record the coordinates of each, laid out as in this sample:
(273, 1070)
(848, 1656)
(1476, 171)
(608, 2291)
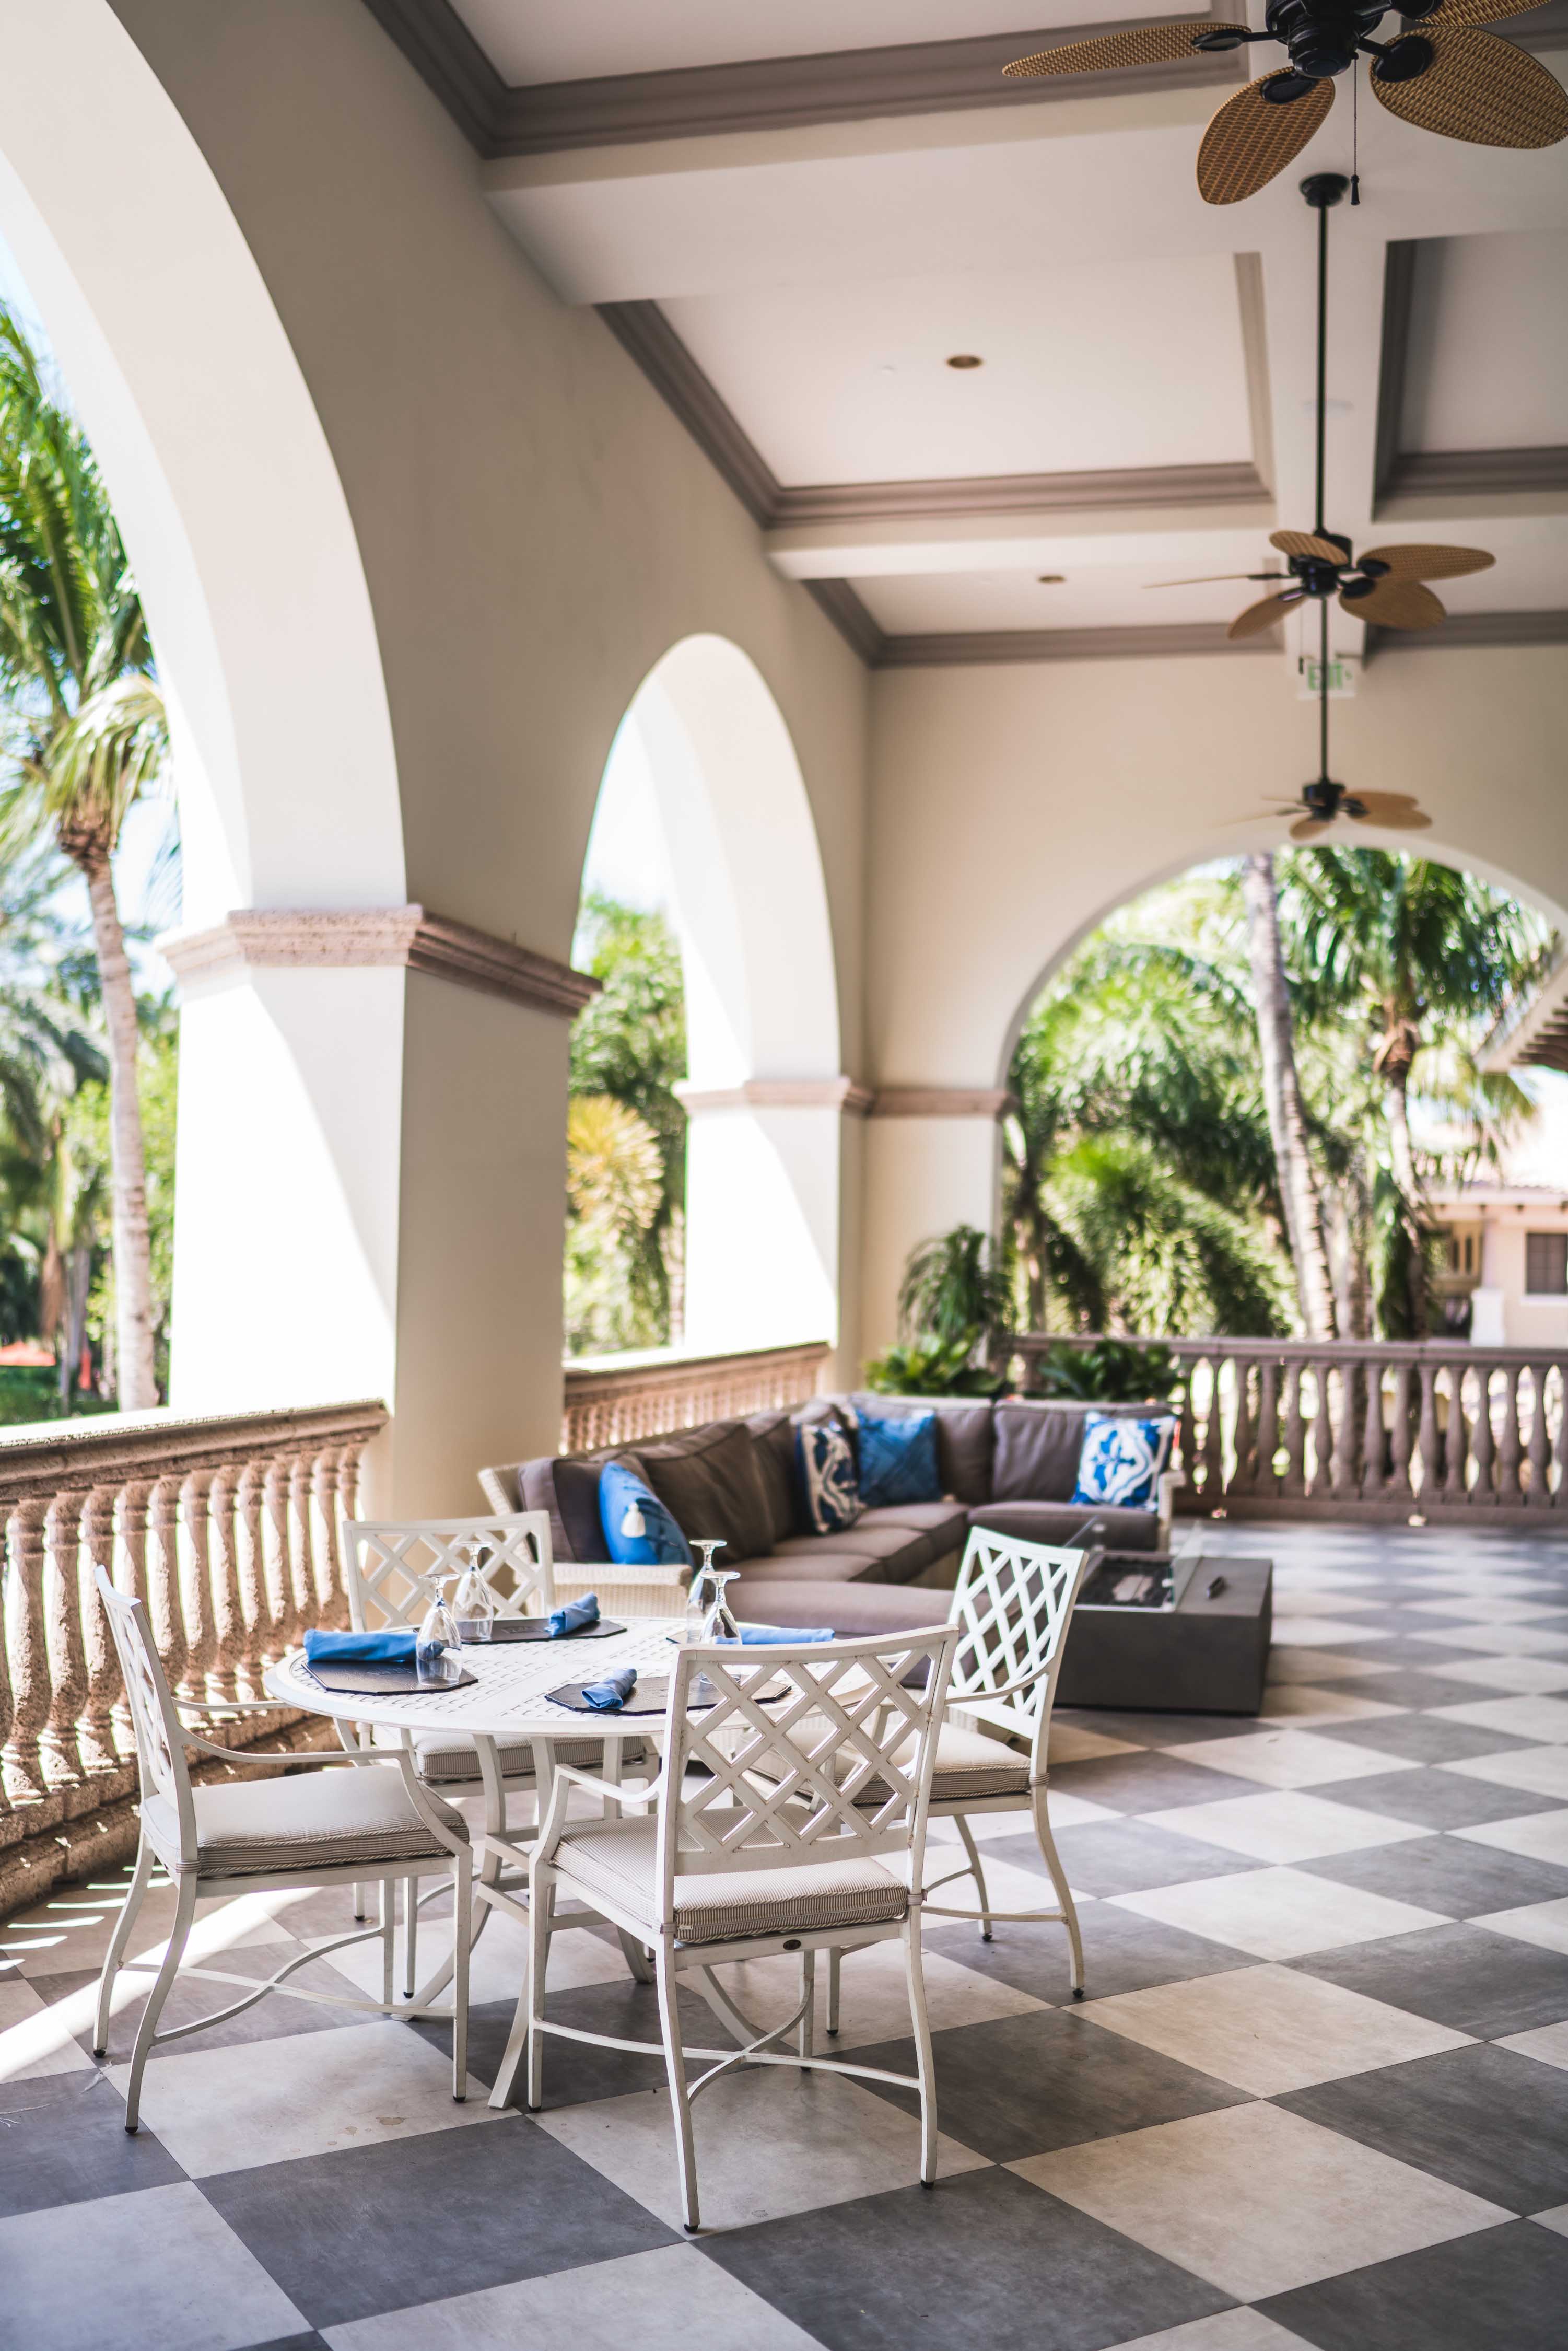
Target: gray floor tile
(1151, 1780)
(1436, 1799)
(1447, 1874)
(973, 2263)
(377, 2228)
(70, 2144)
(1421, 1737)
(1121, 1952)
(1502, 2290)
(1484, 1984)
(1488, 2119)
(1127, 1857)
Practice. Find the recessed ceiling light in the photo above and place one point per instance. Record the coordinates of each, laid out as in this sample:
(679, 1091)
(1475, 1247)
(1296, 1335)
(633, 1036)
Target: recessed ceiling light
(1052, 580)
(965, 359)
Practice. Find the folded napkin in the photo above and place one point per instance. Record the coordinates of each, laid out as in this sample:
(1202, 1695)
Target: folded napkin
(575, 1617)
(768, 1636)
(392, 1646)
(610, 1694)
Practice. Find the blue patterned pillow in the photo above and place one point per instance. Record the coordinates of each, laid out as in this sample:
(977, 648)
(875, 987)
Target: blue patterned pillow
(1121, 1461)
(828, 1486)
(897, 1458)
(639, 1532)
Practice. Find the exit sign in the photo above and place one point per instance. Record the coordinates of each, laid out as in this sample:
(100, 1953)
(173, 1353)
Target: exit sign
(1341, 673)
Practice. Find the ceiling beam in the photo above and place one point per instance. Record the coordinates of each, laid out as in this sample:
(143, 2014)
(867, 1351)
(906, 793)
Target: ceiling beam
(1462, 630)
(970, 648)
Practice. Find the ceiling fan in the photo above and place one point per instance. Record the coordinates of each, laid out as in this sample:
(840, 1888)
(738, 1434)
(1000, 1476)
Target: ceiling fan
(1385, 585)
(1444, 75)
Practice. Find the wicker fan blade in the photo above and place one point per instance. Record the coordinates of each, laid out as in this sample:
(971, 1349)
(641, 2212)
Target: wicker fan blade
(1395, 811)
(1213, 578)
(1478, 12)
(1147, 45)
(1262, 615)
(1302, 542)
(1309, 828)
(1477, 88)
(1397, 604)
(1252, 137)
(1430, 562)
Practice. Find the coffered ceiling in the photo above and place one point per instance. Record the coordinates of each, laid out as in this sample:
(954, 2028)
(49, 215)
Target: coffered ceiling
(796, 216)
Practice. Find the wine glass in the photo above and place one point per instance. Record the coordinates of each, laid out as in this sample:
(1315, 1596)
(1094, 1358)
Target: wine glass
(437, 1641)
(699, 1597)
(719, 1623)
(473, 1605)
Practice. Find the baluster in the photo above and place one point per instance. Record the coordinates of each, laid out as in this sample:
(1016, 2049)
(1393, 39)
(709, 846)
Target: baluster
(350, 1462)
(1372, 1431)
(300, 1572)
(1244, 1471)
(1267, 1441)
(195, 1584)
(131, 1577)
(1484, 1491)
(1403, 1487)
(1429, 1438)
(98, 1749)
(63, 1633)
(1456, 1438)
(28, 1649)
(1509, 1493)
(1345, 1435)
(164, 1577)
(324, 1531)
(1317, 1460)
(285, 1614)
(1538, 1496)
(1187, 1428)
(1293, 1485)
(1213, 1438)
(259, 1636)
(231, 1649)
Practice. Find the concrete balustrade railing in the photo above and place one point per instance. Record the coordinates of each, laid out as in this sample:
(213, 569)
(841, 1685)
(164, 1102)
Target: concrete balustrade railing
(1361, 1429)
(227, 1527)
(615, 1399)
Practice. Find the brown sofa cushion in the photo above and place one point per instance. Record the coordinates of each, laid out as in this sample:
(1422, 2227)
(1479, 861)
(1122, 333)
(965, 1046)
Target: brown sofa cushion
(569, 1490)
(773, 1434)
(711, 1480)
(1037, 1446)
(851, 1609)
(819, 1561)
(1056, 1522)
(964, 1439)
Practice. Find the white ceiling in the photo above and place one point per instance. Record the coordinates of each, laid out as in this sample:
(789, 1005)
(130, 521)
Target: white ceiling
(569, 41)
(1488, 344)
(845, 383)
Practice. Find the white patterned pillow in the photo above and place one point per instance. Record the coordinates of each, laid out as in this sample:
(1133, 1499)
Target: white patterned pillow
(830, 1481)
(1121, 1460)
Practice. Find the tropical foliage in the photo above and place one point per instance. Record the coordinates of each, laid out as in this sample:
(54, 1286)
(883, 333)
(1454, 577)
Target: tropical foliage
(953, 1309)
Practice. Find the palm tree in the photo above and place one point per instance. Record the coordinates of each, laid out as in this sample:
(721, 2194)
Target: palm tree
(1407, 951)
(1283, 1095)
(86, 733)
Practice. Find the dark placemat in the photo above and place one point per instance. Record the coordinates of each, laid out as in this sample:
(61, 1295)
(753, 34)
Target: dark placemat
(650, 1697)
(537, 1629)
(345, 1678)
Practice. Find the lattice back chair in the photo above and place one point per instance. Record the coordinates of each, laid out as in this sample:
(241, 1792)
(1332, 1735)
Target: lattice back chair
(345, 1815)
(386, 1563)
(793, 1777)
(1012, 1606)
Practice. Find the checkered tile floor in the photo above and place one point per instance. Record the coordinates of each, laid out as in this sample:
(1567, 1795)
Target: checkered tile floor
(1316, 2095)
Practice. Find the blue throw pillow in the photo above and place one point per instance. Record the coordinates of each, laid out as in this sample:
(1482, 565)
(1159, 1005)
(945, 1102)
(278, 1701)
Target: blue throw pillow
(1121, 1460)
(638, 1529)
(828, 1486)
(897, 1458)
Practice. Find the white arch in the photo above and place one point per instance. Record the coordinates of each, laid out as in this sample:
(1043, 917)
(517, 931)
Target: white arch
(751, 905)
(232, 508)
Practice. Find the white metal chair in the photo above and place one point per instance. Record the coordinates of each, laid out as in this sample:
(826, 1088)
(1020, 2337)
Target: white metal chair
(347, 1818)
(812, 1790)
(384, 1564)
(1013, 1607)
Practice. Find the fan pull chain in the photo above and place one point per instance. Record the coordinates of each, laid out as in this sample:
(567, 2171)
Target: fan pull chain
(1354, 131)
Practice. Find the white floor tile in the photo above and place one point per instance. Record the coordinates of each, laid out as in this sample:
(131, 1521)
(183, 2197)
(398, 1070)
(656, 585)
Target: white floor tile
(1305, 1703)
(1542, 1923)
(874, 2003)
(1548, 2045)
(1292, 1759)
(1527, 1675)
(267, 2101)
(1321, 1632)
(1284, 1825)
(1542, 1770)
(1070, 1742)
(34, 2039)
(1557, 2219)
(1279, 1913)
(1270, 2029)
(1259, 2201)
(1532, 1638)
(1544, 1719)
(767, 2143)
(1540, 1837)
(1305, 1664)
(1230, 2330)
(673, 2299)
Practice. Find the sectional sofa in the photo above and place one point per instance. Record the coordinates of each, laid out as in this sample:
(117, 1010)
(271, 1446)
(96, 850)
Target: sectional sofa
(1010, 1466)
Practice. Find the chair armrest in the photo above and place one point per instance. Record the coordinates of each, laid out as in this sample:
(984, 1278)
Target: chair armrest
(597, 1787)
(625, 1591)
(1165, 1493)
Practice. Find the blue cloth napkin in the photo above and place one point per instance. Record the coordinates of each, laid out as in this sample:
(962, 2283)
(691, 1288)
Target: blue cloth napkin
(575, 1617)
(394, 1646)
(768, 1637)
(610, 1695)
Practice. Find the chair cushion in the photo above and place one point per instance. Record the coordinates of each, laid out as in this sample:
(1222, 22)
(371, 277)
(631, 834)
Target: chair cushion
(454, 1762)
(1057, 1522)
(812, 1560)
(320, 1819)
(888, 1554)
(851, 1609)
(968, 1765)
(620, 1860)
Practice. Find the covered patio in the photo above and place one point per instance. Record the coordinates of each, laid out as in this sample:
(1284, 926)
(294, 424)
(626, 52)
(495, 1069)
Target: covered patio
(1314, 2095)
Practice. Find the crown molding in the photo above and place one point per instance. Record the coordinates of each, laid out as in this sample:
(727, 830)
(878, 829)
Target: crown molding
(378, 937)
(1472, 473)
(838, 599)
(643, 330)
(753, 94)
(1473, 629)
(778, 1093)
(962, 649)
(943, 1102)
(966, 497)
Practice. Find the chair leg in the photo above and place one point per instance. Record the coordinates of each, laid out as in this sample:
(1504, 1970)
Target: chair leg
(914, 1964)
(116, 1942)
(636, 1956)
(361, 1900)
(462, 1943)
(679, 2103)
(1063, 1891)
(389, 1934)
(410, 1936)
(530, 1991)
(836, 1967)
(162, 1984)
(541, 1918)
(979, 1874)
(809, 1994)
